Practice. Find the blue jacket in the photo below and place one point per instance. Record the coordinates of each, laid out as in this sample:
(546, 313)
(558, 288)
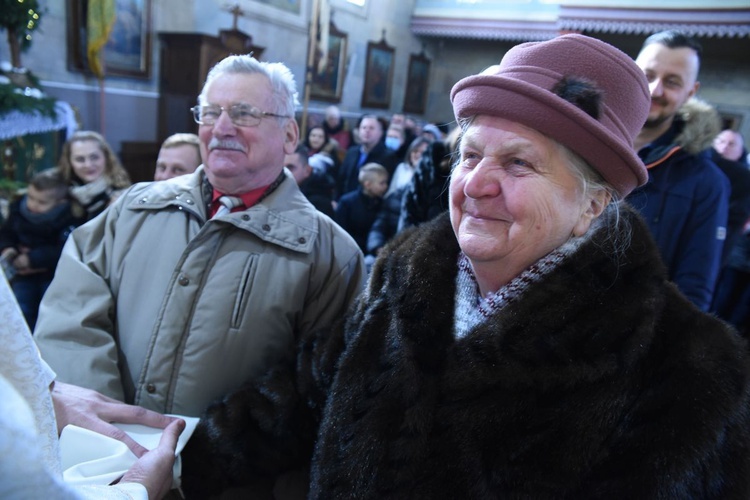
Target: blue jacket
(356, 213)
(686, 202)
(385, 225)
(739, 199)
(347, 176)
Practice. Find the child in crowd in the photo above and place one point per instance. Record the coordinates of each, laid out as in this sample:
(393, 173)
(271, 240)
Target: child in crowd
(32, 238)
(357, 210)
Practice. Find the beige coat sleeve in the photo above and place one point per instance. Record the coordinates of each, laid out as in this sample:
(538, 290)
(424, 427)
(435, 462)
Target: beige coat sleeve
(342, 283)
(75, 329)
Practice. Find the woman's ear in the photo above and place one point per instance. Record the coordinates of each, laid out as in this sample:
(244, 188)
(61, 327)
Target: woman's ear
(593, 209)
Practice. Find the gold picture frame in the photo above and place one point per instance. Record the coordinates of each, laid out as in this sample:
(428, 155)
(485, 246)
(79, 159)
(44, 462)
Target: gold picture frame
(128, 51)
(378, 75)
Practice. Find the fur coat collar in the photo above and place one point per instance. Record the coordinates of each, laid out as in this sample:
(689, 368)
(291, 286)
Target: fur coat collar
(601, 381)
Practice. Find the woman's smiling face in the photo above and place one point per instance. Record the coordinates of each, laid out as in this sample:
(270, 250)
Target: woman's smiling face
(316, 138)
(87, 159)
(514, 198)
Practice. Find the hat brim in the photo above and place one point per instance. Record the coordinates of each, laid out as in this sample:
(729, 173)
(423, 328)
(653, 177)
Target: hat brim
(545, 112)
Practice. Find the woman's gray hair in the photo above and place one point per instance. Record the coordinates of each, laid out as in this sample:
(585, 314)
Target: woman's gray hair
(610, 220)
(281, 78)
(590, 180)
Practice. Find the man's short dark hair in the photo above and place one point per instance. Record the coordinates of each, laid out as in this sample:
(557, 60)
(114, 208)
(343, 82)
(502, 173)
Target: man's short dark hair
(674, 39)
(52, 180)
(302, 152)
(382, 121)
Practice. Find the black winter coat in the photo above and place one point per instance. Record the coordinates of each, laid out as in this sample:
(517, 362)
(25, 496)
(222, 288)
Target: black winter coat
(600, 381)
(43, 234)
(385, 225)
(347, 176)
(318, 189)
(356, 213)
(427, 195)
(739, 198)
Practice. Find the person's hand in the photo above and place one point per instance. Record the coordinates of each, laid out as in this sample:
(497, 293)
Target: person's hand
(9, 254)
(154, 469)
(22, 262)
(94, 411)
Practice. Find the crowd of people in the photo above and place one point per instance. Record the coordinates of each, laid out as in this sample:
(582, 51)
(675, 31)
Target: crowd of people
(87, 180)
(371, 178)
(548, 299)
(696, 202)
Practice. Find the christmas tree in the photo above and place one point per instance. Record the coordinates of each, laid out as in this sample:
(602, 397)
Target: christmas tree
(19, 18)
(19, 88)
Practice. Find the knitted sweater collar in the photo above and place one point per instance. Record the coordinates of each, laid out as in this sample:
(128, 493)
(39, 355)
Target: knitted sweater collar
(472, 309)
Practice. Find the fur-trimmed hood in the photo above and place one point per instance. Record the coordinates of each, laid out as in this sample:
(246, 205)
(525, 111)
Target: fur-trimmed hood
(701, 125)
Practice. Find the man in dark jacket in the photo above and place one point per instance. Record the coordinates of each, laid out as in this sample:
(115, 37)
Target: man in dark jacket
(728, 154)
(732, 297)
(371, 149)
(316, 185)
(685, 201)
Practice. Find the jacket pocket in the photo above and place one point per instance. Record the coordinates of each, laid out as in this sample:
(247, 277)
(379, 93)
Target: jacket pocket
(244, 290)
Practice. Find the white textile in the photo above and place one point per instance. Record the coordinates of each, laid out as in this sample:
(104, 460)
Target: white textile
(92, 458)
(402, 177)
(16, 123)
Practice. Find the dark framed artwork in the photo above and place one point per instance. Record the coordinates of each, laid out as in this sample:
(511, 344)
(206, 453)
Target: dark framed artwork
(731, 121)
(328, 79)
(128, 51)
(417, 84)
(378, 75)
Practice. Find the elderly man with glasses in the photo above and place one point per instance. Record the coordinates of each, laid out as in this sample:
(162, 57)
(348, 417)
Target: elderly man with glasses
(170, 300)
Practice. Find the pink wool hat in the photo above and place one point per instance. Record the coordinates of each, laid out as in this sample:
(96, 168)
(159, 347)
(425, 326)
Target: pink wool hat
(520, 90)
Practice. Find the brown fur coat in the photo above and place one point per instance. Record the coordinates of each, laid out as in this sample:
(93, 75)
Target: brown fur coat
(602, 381)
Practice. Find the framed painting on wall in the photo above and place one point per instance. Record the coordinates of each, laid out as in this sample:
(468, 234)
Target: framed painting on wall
(378, 75)
(417, 84)
(128, 51)
(730, 120)
(328, 79)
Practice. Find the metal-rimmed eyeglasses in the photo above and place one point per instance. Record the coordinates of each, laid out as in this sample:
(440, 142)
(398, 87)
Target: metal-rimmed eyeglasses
(242, 115)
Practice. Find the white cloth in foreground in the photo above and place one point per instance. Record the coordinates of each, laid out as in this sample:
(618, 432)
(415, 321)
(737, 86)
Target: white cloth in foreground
(92, 458)
(29, 450)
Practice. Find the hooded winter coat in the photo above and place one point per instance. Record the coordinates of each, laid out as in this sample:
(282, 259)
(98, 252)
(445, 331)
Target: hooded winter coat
(155, 305)
(601, 380)
(686, 201)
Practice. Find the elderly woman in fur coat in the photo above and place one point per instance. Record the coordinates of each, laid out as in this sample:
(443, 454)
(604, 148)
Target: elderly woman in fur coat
(525, 345)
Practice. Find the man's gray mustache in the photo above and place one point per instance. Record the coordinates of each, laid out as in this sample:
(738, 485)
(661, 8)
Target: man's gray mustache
(225, 144)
